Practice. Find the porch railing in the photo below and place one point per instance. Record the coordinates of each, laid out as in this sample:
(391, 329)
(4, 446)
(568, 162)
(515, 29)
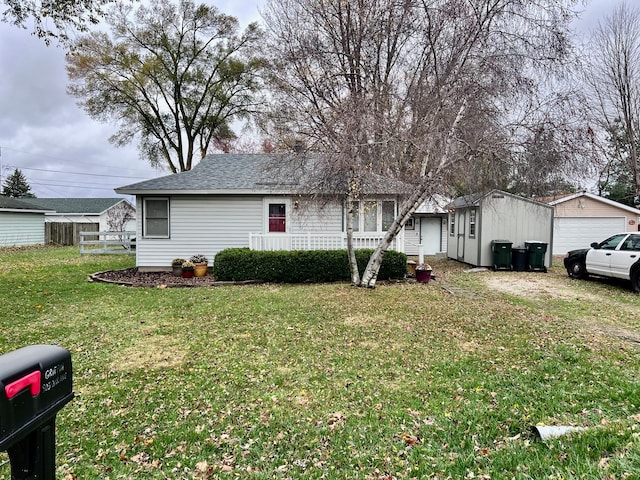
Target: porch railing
(318, 241)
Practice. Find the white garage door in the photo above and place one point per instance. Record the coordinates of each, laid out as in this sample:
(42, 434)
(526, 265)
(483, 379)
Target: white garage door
(570, 233)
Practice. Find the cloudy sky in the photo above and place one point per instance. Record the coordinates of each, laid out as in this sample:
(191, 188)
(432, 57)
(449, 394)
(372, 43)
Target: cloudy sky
(63, 152)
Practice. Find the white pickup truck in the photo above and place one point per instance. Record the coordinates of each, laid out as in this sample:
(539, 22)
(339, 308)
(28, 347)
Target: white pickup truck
(618, 256)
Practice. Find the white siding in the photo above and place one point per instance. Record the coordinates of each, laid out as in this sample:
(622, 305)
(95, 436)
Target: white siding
(200, 224)
(311, 217)
(17, 229)
(412, 238)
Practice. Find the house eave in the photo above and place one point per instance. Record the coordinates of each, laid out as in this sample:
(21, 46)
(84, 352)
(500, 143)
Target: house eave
(172, 192)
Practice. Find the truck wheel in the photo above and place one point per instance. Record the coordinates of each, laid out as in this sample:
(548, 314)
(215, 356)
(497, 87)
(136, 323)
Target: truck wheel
(635, 281)
(576, 269)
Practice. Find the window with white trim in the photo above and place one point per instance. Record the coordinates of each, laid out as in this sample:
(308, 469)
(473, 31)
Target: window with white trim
(156, 218)
(373, 215)
(472, 223)
(452, 224)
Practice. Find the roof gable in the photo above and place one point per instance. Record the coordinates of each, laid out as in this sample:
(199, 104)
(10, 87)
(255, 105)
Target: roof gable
(596, 198)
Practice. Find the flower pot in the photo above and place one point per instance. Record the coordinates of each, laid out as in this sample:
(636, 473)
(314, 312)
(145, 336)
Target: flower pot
(187, 273)
(200, 269)
(423, 276)
(176, 270)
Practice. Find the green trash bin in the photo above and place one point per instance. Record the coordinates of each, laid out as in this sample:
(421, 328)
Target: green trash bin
(501, 250)
(536, 252)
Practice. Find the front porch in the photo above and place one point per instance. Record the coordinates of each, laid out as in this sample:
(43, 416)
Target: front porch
(320, 241)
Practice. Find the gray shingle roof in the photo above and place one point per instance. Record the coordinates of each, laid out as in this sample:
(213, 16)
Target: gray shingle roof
(214, 173)
(86, 206)
(241, 174)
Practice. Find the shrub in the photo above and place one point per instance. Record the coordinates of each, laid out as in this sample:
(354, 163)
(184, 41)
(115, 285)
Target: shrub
(300, 266)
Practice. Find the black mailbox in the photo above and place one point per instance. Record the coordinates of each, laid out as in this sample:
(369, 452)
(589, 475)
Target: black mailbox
(35, 383)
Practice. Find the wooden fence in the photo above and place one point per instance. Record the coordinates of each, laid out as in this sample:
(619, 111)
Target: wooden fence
(66, 233)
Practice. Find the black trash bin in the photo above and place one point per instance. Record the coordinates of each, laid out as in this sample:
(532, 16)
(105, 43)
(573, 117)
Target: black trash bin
(520, 259)
(501, 254)
(536, 251)
(35, 383)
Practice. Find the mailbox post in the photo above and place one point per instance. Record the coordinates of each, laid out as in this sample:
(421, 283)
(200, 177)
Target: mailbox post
(35, 383)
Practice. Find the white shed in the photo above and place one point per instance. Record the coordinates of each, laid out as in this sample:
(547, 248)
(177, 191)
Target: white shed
(475, 221)
(21, 223)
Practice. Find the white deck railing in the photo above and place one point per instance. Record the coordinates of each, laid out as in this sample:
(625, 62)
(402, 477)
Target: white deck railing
(107, 242)
(318, 241)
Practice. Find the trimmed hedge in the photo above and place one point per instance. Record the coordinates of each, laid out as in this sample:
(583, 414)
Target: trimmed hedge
(300, 266)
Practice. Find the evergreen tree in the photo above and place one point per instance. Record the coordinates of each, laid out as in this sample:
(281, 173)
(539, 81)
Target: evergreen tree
(16, 186)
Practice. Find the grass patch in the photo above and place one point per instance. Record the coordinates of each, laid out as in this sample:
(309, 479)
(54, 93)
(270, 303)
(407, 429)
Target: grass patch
(440, 381)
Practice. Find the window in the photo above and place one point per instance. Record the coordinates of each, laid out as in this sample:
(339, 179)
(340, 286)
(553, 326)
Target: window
(410, 225)
(612, 242)
(452, 224)
(370, 216)
(156, 217)
(373, 215)
(472, 222)
(388, 215)
(277, 217)
(356, 216)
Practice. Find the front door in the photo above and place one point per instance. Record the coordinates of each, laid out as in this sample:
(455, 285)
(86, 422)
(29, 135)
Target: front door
(277, 219)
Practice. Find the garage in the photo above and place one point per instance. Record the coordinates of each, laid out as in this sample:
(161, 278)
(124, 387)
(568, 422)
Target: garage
(570, 233)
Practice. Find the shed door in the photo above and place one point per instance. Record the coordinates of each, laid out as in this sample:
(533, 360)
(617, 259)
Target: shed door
(461, 225)
(570, 233)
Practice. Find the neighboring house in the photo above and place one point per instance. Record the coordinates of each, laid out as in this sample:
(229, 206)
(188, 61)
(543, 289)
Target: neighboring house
(231, 200)
(111, 214)
(21, 223)
(428, 227)
(477, 220)
(583, 218)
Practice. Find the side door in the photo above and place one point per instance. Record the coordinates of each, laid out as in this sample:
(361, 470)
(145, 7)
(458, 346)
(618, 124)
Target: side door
(598, 260)
(625, 256)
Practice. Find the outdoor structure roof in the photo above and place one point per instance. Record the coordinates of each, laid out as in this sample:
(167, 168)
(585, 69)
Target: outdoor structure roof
(474, 199)
(15, 204)
(248, 174)
(85, 206)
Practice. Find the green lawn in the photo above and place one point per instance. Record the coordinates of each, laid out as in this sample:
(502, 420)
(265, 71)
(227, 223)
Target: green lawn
(444, 380)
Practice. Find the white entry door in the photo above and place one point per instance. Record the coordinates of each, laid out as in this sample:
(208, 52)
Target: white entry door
(431, 235)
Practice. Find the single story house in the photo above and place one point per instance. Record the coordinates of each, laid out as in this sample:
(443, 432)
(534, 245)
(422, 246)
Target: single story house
(428, 227)
(231, 200)
(475, 221)
(21, 223)
(111, 214)
(583, 218)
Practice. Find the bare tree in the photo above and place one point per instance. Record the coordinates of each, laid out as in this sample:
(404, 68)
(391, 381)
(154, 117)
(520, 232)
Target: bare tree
(119, 216)
(406, 89)
(613, 78)
(174, 76)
